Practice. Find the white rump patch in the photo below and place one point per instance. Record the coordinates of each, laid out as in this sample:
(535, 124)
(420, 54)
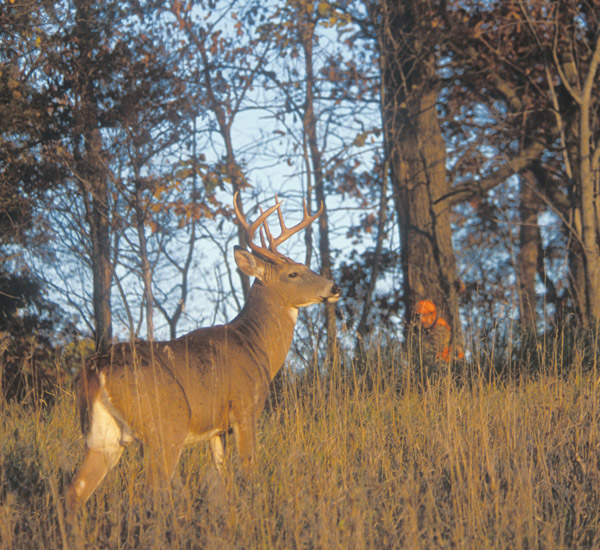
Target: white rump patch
(105, 433)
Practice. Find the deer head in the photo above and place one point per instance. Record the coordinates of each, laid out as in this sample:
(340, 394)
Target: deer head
(293, 283)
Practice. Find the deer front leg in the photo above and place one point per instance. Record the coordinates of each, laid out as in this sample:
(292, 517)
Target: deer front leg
(162, 461)
(244, 433)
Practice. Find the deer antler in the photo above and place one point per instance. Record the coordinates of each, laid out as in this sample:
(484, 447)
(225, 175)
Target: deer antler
(272, 253)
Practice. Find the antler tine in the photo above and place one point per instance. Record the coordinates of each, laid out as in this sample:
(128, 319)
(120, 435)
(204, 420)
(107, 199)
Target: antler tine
(251, 229)
(263, 243)
(287, 232)
(272, 253)
(268, 229)
(280, 216)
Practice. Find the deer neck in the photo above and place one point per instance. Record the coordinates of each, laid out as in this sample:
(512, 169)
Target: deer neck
(269, 323)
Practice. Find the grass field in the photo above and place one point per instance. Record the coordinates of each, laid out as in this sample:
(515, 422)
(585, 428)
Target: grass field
(368, 457)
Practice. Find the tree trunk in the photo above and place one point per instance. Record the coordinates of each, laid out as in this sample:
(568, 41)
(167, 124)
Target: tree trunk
(310, 131)
(528, 258)
(580, 85)
(101, 264)
(417, 158)
(589, 188)
(232, 168)
(363, 324)
(140, 220)
(90, 166)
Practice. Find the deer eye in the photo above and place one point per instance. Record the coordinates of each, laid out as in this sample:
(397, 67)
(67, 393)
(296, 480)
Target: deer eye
(293, 274)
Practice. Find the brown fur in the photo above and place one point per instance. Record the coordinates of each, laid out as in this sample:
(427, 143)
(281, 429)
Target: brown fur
(197, 387)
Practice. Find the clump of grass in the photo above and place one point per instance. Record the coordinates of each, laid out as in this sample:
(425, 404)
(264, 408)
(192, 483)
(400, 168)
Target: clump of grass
(362, 457)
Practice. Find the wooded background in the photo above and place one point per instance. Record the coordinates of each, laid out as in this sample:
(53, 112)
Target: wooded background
(453, 143)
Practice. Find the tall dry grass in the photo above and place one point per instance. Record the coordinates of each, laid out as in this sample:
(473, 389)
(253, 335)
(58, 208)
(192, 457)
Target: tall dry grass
(375, 455)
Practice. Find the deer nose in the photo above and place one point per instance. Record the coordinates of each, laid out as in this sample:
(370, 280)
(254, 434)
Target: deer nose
(335, 290)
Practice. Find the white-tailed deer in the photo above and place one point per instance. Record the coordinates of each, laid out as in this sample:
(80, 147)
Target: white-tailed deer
(201, 385)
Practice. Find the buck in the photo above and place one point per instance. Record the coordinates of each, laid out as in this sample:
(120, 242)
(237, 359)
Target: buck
(201, 385)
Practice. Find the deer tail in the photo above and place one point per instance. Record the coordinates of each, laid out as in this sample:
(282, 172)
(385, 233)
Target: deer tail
(87, 389)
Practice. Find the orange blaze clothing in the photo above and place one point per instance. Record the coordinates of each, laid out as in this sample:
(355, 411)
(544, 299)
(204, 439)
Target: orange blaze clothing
(439, 329)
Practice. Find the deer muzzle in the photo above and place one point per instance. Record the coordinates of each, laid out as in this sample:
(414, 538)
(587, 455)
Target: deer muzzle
(335, 295)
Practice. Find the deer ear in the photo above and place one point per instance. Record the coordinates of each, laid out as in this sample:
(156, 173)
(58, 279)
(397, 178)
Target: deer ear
(250, 264)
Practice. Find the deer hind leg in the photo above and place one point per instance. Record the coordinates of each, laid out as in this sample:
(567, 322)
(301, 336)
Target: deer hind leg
(96, 464)
(104, 446)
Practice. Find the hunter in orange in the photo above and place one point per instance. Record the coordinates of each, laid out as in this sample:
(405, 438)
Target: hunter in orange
(439, 329)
